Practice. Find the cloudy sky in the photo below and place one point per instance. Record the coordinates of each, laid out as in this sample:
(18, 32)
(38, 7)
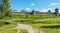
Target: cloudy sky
(40, 5)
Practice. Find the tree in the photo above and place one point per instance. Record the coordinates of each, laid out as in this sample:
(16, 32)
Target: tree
(5, 8)
(0, 7)
(33, 11)
(49, 11)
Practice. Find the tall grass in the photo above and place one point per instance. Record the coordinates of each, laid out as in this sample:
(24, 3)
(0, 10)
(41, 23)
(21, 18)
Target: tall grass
(10, 31)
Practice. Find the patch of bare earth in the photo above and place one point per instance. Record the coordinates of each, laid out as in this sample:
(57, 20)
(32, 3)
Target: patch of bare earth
(29, 29)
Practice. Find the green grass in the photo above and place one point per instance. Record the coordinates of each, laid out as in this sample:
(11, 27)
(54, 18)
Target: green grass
(37, 16)
(48, 30)
(23, 31)
(41, 21)
(36, 24)
(10, 31)
(46, 23)
(5, 27)
(2, 23)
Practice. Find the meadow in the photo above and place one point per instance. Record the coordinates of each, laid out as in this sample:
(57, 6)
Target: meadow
(49, 23)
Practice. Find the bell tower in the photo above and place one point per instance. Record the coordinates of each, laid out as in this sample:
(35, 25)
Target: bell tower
(56, 10)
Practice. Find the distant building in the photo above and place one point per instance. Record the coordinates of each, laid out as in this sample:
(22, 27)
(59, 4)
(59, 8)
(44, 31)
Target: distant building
(23, 12)
(49, 11)
(56, 11)
(14, 11)
(33, 12)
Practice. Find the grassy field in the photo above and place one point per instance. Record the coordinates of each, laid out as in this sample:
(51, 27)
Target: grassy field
(48, 26)
(29, 16)
(23, 31)
(5, 27)
(49, 23)
(10, 31)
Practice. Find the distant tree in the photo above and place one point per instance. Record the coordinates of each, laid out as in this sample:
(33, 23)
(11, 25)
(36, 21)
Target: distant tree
(49, 11)
(32, 11)
(23, 11)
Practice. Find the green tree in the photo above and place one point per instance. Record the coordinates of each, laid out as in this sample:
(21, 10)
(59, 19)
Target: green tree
(0, 7)
(5, 8)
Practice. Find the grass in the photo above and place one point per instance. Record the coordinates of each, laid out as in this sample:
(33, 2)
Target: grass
(23, 31)
(5, 27)
(38, 24)
(2, 23)
(40, 21)
(46, 28)
(49, 30)
(30, 20)
(52, 26)
(10, 31)
(37, 16)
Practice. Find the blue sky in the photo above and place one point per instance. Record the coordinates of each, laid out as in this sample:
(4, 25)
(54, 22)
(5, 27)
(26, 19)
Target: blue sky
(40, 5)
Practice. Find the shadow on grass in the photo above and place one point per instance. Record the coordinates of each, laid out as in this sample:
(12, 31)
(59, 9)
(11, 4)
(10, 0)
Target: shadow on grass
(55, 26)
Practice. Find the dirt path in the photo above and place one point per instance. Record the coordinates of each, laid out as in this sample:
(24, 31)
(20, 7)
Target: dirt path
(28, 28)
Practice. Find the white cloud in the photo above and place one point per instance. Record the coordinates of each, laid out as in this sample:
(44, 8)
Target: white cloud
(52, 4)
(32, 4)
(59, 11)
(45, 10)
(27, 9)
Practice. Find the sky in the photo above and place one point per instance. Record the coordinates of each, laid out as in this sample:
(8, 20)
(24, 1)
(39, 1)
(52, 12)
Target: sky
(37, 5)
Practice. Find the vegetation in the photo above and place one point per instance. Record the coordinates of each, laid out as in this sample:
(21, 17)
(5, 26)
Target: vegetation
(4, 8)
(37, 16)
(47, 22)
(10, 31)
(5, 27)
(23, 31)
(2, 23)
(48, 26)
